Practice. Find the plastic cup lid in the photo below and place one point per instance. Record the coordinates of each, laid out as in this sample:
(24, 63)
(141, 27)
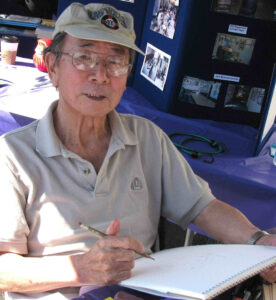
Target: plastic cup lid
(10, 38)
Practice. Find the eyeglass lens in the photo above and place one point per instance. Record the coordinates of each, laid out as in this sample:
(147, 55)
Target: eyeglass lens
(115, 65)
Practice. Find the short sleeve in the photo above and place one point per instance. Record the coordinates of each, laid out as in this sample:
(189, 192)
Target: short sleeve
(185, 194)
(13, 226)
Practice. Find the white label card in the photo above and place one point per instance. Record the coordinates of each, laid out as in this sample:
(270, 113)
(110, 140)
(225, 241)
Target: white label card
(237, 29)
(226, 77)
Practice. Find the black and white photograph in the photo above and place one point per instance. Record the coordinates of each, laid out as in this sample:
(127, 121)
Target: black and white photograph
(199, 92)
(155, 66)
(244, 98)
(259, 9)
(233, 48)
(164, 17)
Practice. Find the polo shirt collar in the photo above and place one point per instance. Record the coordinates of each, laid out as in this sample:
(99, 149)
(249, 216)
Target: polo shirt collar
(48, 143)
(121, 130)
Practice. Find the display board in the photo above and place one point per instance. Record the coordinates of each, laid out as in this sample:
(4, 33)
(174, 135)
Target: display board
(221, 58)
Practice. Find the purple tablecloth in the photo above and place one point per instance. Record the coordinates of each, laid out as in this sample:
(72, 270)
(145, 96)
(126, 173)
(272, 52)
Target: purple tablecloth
(110, 291)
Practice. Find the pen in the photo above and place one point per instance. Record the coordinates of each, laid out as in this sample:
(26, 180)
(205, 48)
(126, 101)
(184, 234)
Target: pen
(99, 233)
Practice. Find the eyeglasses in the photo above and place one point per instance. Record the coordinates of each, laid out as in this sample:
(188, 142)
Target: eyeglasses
(87, 60)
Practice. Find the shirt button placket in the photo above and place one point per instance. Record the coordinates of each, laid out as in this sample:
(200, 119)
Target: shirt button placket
(87, 171)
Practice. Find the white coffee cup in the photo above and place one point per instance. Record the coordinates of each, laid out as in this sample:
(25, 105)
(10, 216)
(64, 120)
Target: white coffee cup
(9, 46)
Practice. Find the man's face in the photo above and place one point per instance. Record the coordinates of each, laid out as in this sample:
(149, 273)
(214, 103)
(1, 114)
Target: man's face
(93, 92)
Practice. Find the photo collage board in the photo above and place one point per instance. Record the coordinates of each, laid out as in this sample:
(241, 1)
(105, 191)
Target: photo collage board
(233, 89)
(207, 60)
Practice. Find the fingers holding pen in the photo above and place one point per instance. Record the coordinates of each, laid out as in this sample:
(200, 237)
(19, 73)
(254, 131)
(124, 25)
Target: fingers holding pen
(109, 261)
(113, 229)
(105, 250)
(122, 242)
(100, 272)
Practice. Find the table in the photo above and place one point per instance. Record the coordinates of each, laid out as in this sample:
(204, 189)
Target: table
(24, 90)
(110, 291)
(236, 176)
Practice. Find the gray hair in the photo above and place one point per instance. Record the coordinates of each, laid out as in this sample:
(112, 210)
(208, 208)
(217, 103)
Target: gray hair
(56, 48)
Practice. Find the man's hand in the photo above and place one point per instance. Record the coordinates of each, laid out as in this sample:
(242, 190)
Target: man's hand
(109, 261)
(270, 273)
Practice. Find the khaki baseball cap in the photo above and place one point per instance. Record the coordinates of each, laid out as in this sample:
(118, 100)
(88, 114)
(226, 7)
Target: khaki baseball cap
(99, 22)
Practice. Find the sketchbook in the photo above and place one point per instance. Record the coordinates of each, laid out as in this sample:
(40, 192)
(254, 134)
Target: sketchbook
(199, 272)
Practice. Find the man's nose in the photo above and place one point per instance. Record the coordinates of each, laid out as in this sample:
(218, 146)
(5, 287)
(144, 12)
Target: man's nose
(99, 72)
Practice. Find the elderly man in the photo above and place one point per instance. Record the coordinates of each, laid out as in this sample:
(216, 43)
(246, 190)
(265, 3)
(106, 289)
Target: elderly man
(84, 162)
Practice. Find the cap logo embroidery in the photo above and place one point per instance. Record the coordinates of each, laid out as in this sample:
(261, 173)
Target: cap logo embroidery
(95, 15)
(136, 184)
(110, 22)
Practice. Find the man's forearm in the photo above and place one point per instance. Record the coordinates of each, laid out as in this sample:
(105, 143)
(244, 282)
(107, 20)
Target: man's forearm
(33, 275)
(225, 223)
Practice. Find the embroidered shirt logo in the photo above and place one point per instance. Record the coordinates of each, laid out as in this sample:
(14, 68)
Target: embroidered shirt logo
(110, 22)
(136, 184)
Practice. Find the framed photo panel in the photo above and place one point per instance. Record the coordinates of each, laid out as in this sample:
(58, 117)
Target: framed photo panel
(164, 17)
(233, 48)
(199, 92)
(155, 66)
(245, 98)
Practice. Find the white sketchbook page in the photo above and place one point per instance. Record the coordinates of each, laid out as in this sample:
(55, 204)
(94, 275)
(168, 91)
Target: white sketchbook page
(199, 272)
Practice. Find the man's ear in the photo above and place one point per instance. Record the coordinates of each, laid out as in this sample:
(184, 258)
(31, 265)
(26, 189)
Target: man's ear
(50, 61)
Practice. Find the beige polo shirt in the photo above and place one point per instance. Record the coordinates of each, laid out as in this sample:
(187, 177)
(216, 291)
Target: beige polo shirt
(47, 190)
